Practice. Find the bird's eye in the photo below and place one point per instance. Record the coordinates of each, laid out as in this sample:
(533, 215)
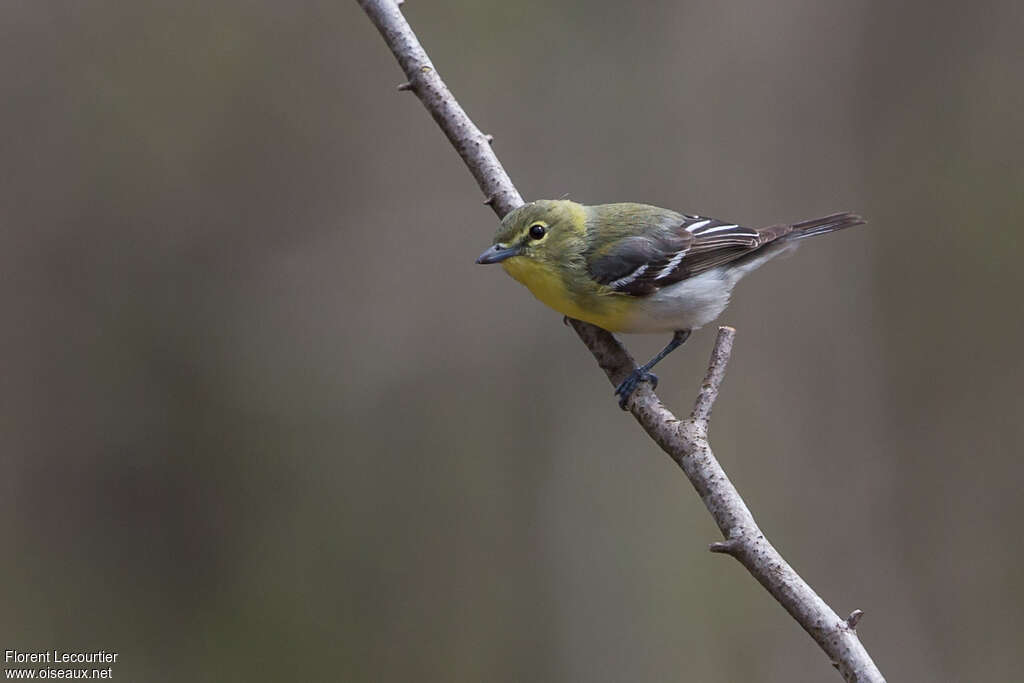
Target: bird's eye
(537, 231)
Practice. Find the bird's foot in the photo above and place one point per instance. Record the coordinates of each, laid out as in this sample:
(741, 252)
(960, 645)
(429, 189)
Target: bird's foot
(628, 386)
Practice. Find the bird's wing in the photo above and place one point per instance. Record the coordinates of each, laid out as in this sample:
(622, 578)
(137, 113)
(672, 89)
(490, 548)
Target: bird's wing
(640, 264)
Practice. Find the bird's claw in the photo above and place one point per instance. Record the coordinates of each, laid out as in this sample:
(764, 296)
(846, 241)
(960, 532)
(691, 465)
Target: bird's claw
(628, 385)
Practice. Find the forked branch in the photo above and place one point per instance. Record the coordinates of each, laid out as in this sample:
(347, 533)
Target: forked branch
(686, 441)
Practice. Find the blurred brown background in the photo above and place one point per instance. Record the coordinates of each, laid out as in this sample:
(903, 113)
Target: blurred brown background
(263, 418)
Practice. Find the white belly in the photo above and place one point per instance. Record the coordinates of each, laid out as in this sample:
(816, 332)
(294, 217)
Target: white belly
(696, 301)
(686, 305)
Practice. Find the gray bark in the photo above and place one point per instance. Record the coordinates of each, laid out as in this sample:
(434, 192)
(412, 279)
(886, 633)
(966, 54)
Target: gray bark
(685, 441)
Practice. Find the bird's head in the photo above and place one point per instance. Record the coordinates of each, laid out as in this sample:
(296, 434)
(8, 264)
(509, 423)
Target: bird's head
(546, 232)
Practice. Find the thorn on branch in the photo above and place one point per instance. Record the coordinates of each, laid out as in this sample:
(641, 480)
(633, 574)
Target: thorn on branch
(727, 547)
(854, 618)
(489, 138)
(490, 200)
(402, 87)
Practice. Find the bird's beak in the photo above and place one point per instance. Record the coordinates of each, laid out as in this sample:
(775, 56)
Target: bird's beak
(498, 253)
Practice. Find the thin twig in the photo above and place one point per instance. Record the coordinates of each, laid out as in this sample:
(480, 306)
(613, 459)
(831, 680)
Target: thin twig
(685, 441)
(716, 373)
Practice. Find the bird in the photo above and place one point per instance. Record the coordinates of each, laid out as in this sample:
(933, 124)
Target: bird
(637, 268)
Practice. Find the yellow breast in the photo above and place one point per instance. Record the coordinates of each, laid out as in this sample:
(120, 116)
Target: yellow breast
(608, 310)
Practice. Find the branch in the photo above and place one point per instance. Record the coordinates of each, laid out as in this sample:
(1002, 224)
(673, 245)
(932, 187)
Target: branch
(686, 441)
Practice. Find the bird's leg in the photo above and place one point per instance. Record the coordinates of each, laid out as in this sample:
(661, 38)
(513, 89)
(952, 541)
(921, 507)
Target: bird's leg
(642, 373)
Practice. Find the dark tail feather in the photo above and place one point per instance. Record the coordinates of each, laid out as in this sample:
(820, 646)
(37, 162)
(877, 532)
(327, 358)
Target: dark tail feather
(819, 226)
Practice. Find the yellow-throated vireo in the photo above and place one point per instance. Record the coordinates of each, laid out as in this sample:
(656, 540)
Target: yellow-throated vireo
(638, 268)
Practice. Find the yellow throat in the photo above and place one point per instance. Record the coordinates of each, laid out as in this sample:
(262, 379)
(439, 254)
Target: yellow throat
(604, 310)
